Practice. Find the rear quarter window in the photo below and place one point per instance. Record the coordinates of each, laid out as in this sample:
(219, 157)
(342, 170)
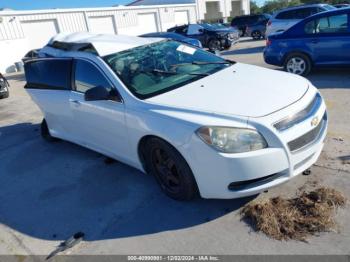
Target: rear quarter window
(49, 74)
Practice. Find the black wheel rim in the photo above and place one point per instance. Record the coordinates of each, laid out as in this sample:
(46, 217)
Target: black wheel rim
(256, 35)
(166, 171)
(214, 45)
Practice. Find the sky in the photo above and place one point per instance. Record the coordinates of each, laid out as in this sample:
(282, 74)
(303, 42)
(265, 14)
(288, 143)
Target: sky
(48, 4)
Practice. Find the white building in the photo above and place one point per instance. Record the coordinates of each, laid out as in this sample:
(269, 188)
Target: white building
(21, 31)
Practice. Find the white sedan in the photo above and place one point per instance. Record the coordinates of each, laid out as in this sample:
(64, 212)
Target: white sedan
(197, 122)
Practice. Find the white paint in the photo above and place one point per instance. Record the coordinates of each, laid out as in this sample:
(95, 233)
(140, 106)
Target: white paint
(102, 24)
(12, 51)
(229, 98)
(181, 17)
(38, 32)
(148, 22)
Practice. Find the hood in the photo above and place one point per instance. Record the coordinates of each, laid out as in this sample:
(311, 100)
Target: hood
(224, 30)
(240, 90)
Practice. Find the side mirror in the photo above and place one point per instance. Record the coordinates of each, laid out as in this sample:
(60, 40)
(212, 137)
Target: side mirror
(201, 30)
(97, 93)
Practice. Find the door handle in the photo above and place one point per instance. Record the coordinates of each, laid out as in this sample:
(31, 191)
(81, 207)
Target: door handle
(314, 41)
(76, 102)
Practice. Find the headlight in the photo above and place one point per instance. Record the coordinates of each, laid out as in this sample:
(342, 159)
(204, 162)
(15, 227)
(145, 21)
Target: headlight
(231, 139)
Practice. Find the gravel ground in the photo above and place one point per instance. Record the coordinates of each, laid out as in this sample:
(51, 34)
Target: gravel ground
(50, 191)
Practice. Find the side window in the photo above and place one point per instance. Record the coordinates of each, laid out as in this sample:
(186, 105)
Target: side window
(333, 24)
(181, 30)
(49, 74)
(284, 15)
(88, 76)
(329, 24)
(302, 13)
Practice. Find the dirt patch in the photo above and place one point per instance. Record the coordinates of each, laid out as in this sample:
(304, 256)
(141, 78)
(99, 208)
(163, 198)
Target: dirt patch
(295, 218)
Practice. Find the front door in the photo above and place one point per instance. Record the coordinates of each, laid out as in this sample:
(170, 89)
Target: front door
(329, 39)
(99, 125)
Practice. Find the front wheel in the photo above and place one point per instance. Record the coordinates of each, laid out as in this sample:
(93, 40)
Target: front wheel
(214, 45)
(256, 35)
(170, 169)
(298, 64)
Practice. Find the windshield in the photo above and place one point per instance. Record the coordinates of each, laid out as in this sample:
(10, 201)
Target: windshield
(163, 66)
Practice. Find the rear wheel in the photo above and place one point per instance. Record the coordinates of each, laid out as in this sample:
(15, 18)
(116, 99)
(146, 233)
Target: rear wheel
(45, 132)
(256, 35)
(170, 169)
(214, 45)
(297, 63)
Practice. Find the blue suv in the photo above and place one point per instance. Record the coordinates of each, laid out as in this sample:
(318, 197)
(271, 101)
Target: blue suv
(319, 40)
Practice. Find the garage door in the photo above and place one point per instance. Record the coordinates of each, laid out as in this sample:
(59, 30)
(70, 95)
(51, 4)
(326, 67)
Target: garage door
(39, 33)
(102, 25)
(181, 17)
(147, 23)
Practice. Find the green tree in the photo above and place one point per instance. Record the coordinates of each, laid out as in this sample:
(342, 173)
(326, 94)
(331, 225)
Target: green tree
(271, 6)
(254, 8)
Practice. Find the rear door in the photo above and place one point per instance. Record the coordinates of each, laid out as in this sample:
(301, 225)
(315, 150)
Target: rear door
(99, 125)
(329, 39)
(49, 85)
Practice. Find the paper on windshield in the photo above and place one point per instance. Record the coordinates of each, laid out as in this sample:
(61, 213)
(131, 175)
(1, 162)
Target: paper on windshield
(186, 49)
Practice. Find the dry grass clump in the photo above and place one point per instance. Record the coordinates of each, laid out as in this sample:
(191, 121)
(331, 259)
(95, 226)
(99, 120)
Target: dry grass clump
(295, 218)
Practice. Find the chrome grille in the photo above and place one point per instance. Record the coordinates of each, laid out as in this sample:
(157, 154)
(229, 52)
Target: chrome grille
(307, 139)
(299, 117)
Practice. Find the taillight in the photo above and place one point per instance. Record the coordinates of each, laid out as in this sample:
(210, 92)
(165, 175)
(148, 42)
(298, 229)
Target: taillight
(269, 23)
(268, 42)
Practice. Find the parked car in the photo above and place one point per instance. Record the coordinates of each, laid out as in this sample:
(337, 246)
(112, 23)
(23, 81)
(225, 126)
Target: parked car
(197, 122)
(244, 21)
(211, 36)
(256, 31)
(341, 5)
(4, 87)
(286, 18)
(175, 36)
(320, 40)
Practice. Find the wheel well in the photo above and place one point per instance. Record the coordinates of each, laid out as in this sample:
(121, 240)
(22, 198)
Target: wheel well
(141, 145)
(297, 52)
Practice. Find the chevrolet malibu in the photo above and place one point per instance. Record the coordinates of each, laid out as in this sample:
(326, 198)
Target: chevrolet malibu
(198, 123)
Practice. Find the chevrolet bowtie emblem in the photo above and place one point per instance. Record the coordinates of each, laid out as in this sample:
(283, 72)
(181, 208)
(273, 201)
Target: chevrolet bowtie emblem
(315, 121)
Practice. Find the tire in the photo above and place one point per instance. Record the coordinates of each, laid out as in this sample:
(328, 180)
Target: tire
(170, 170)
(6, 95)
(298, 63)
(256, 35)
(45, 132)
(214, 45)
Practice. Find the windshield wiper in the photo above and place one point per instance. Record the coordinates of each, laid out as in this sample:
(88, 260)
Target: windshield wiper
(212, 63)
(205, 63)
(177, 73)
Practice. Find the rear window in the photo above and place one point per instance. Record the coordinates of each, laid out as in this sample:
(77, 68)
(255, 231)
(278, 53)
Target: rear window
(300, 13)
(48, 74)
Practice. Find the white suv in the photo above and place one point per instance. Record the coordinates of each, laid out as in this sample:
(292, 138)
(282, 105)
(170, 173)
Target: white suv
(286, 18)
(195, 121)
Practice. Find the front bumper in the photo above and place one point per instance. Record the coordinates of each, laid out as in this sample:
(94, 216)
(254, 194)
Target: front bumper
(226, 176)
(228, 42)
